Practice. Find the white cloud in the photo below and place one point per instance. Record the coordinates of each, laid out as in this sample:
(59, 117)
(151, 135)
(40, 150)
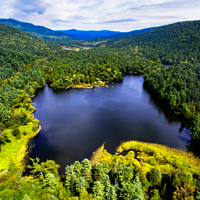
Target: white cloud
(100, 14)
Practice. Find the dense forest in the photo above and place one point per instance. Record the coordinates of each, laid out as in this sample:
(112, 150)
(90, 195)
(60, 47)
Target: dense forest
(157, 172)
(170, 44)
(27, 62)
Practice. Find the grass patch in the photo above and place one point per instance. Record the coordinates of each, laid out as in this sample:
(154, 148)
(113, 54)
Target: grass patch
(17, 148)
(150, 156)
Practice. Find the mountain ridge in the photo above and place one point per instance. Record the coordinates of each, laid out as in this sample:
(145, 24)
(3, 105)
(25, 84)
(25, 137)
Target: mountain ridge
(90, 34)
(39, 31)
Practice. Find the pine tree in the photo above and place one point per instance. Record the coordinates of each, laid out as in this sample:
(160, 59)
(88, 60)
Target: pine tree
(86, 169)
(98, 190)
(110, 192)
(155, 176)
(50, 182)
(104, 179)
(77, 168)
(80, 184)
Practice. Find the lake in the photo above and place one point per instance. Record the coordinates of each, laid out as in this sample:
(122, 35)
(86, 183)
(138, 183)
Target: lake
(75, 122)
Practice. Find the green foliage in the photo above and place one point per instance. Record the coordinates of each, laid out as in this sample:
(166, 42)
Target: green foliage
(27, 62)
(155, 176)
(98, 190)
(16, 133)
(80, 184)
(12, 166)
(19, 181)
(132, 190)
(154, 195)
(26, 197)
(4, 138)
(50, 182)
(198, 195)
(169, 44)
(4, 116)
(44, 167)
(110, 192)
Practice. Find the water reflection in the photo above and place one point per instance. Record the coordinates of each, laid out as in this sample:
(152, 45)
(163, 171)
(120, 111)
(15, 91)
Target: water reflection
(76, 122)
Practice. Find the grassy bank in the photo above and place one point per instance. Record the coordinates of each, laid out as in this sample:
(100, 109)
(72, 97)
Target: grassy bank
(150, 156)
(16, 148)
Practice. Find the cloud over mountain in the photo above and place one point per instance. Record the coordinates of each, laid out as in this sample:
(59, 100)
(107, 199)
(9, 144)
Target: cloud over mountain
(100, 14)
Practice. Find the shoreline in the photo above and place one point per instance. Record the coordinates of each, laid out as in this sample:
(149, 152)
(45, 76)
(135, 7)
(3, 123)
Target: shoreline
(16, 149)
(148, 155)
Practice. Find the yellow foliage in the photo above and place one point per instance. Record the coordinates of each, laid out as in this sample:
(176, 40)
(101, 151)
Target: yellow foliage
(184, 193)
(150, 156)
(146, 167)
(107, 157)
(162, 157)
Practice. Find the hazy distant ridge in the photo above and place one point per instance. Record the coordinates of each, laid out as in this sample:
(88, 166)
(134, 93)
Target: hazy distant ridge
(86, 35)
(33, 29)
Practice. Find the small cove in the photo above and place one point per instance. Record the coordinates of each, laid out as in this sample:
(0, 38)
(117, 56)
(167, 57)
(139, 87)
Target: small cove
(75, 122)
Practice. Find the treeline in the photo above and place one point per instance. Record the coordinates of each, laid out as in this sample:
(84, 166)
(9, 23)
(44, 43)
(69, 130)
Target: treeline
(157, 172)
(179, 88)
(19, 75)
(92, 66)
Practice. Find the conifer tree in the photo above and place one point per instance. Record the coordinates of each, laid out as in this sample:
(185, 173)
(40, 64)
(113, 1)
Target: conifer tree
(50, 182)
(80, 184)
(98, 190)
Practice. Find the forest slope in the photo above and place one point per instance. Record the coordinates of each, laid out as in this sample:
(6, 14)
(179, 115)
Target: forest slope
(174, 43)
(39, 31)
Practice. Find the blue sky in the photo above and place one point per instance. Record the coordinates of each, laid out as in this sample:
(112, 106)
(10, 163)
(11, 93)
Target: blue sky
(115, 15)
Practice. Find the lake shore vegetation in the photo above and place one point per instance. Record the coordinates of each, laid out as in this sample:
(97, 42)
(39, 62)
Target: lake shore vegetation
(28, 63)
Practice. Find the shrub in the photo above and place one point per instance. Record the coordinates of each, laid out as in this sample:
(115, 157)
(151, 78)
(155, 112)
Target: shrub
(16, 132)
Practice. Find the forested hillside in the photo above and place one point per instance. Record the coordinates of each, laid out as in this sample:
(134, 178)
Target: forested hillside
(39, 31)
(20, 76)
(170, 44)
(130, 33)
(26, 62)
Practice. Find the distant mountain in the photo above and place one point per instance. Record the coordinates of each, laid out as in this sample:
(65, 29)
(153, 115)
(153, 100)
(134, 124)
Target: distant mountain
(39, 31)
(126, 34)
(87, 35)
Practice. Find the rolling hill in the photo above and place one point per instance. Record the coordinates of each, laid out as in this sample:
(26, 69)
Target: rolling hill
(173, 43)
(126, 34)
(39, 31)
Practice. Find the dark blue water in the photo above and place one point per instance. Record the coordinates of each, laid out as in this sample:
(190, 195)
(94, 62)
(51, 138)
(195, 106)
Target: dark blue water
(75, 122)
